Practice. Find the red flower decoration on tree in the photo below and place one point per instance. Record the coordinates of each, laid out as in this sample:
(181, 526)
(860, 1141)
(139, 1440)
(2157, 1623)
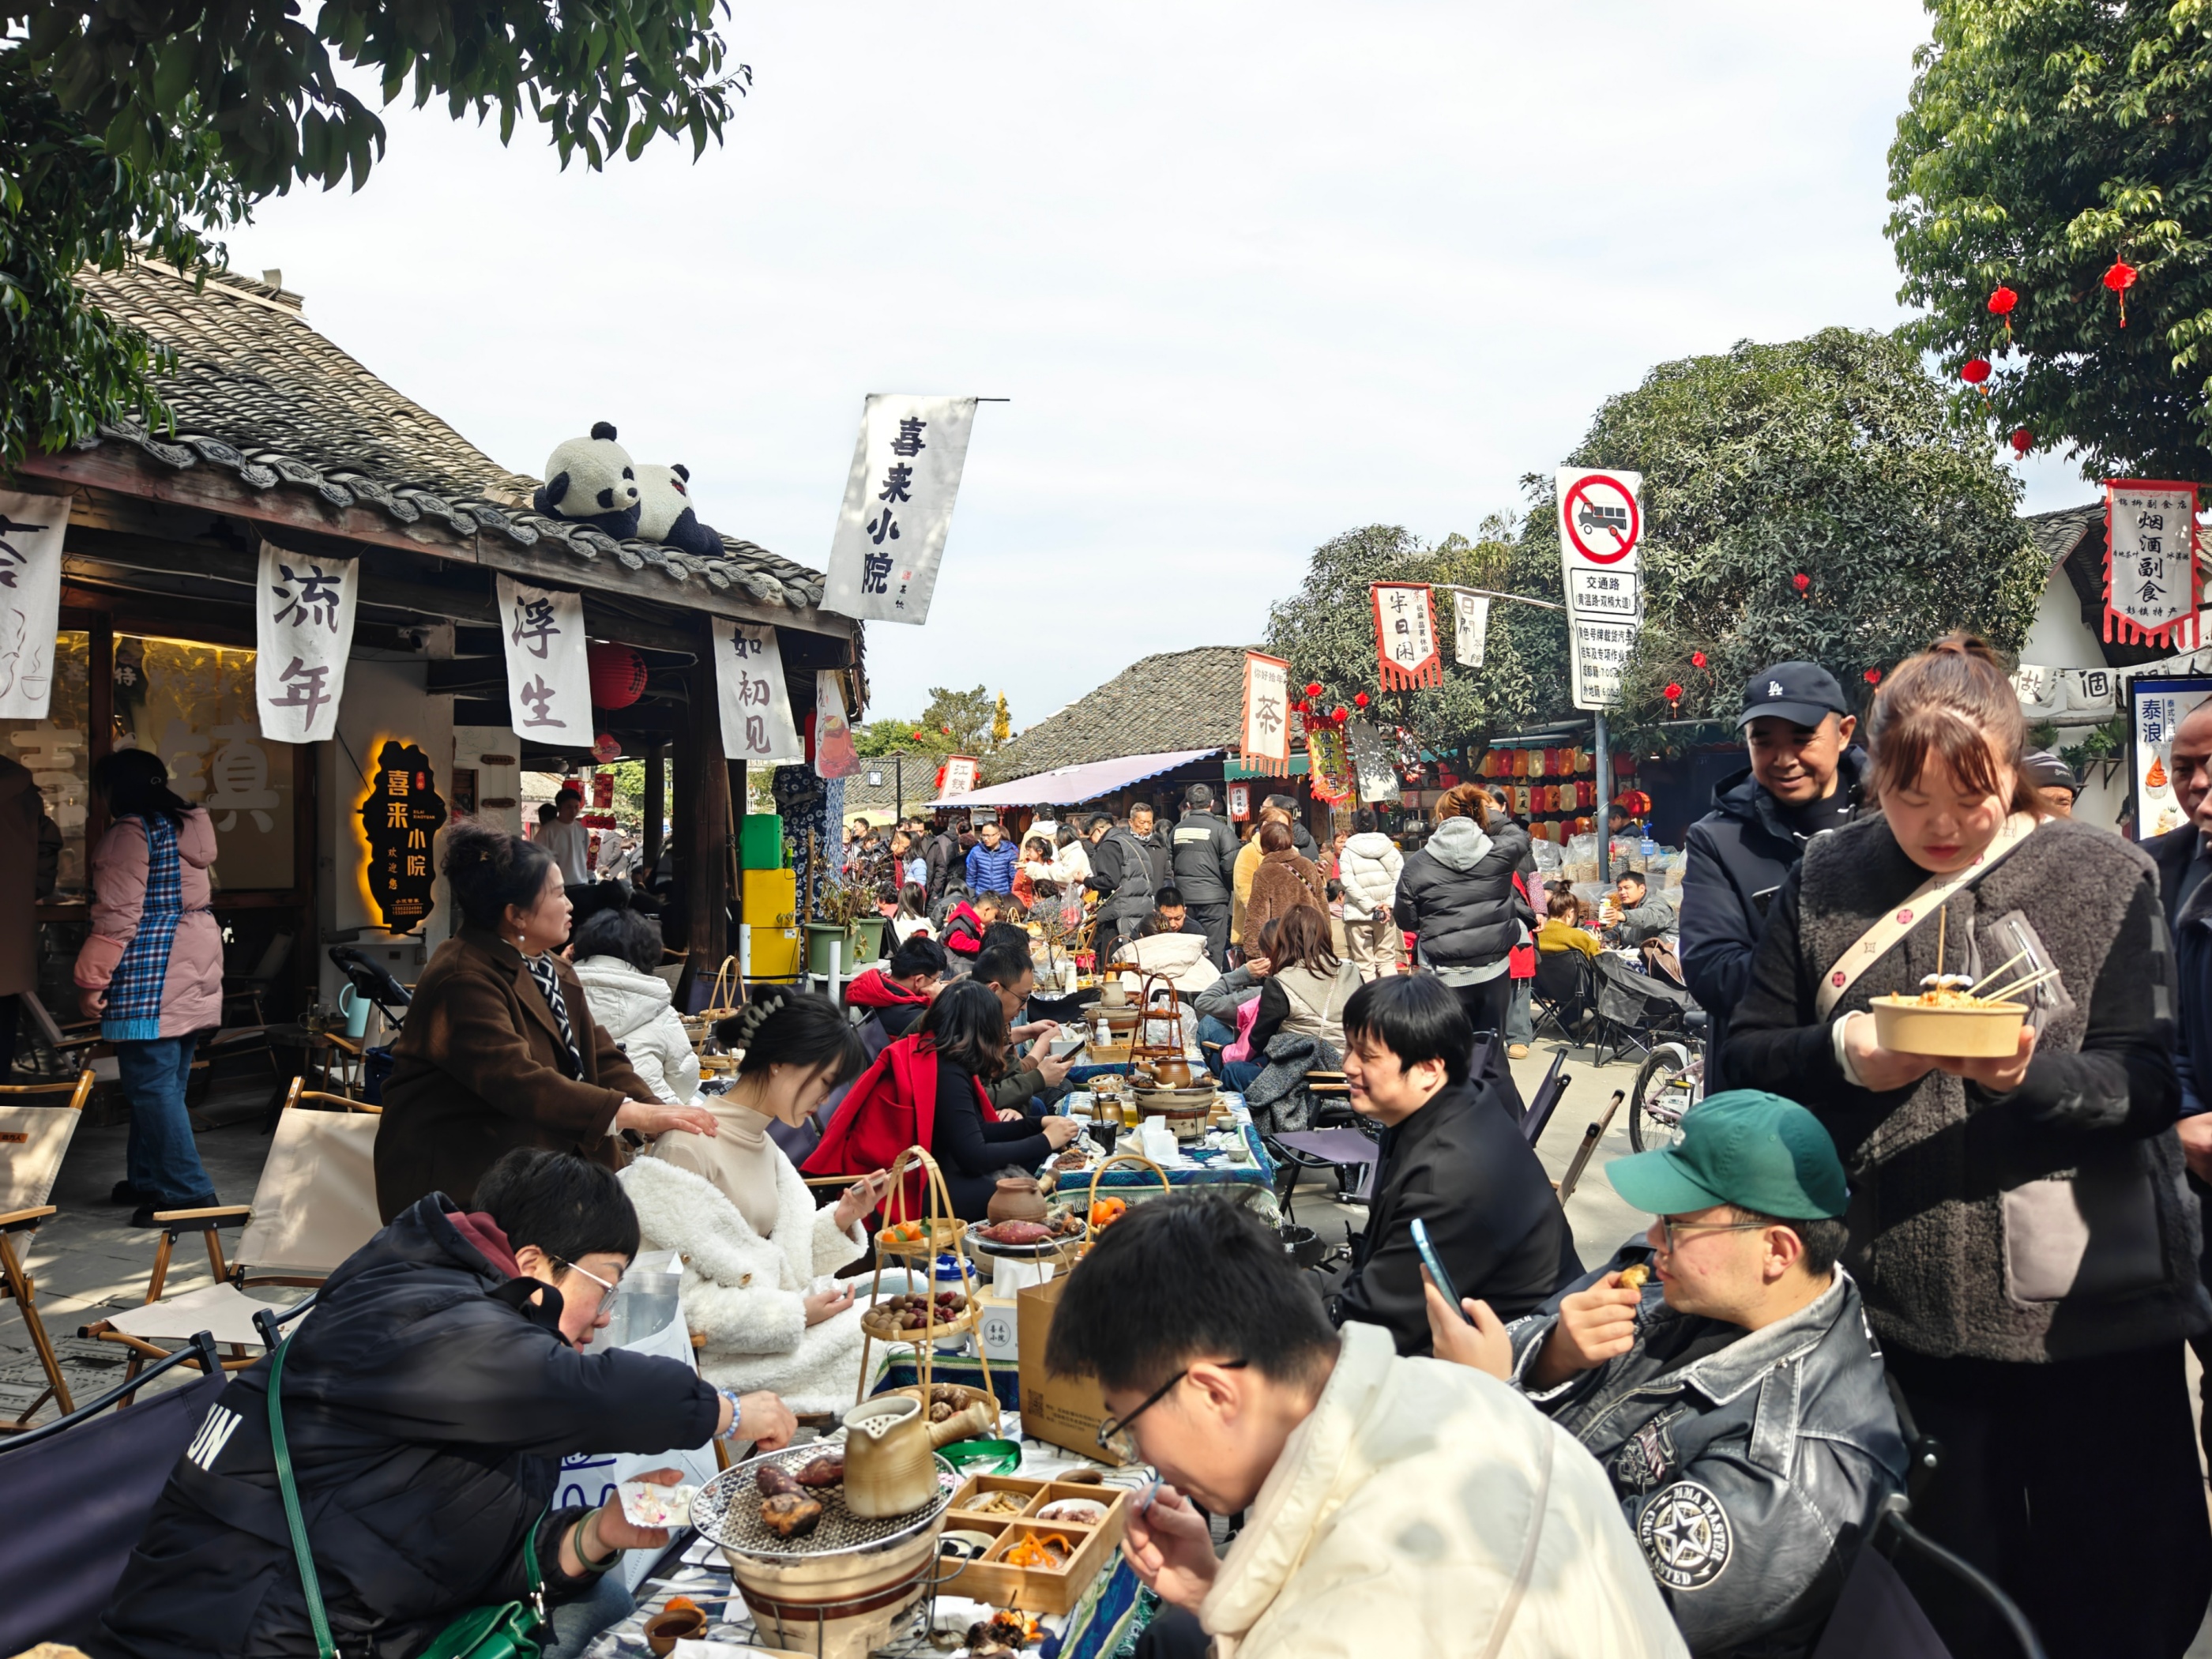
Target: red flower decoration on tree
(2120, 278)
(1801, 581)
(1696, 660)
(1873, 676)
(1359, 699)
(915, 736)
(1974, 371)
(2023, 440)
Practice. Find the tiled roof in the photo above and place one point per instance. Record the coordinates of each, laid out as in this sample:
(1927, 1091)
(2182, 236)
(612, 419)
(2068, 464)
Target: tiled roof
(1177, 700)
(261, 396)
(2060, 533)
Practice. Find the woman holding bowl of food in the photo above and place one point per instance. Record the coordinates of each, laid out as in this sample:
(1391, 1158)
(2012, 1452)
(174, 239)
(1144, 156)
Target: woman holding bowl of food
(2020, 1227)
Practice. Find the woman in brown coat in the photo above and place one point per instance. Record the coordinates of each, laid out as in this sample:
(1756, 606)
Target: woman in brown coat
(499, 1049)
(1284, 880)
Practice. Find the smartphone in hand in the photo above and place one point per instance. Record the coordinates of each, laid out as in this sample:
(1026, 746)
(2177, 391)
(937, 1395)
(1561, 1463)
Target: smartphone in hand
(1436, 1266)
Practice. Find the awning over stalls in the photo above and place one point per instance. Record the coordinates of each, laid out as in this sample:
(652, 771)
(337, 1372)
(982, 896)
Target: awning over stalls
(1065, 786)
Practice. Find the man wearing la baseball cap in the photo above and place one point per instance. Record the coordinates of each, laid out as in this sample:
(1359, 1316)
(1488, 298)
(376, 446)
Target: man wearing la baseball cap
(1737, 1403)
(1803, 778)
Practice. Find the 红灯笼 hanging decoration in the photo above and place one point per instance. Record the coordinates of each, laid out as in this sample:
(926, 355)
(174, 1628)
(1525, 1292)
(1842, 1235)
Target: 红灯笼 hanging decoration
(2150, 562)
(1405, 636)
(302, 634)
(32, 529)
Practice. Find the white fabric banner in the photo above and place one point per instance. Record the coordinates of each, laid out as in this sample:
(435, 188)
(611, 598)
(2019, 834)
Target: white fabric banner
(757, 725)
(31, 532)
(1267, 711)
(302, 634)
(548, 681)
(899, 506)
(2150, 561)
(1471, 625)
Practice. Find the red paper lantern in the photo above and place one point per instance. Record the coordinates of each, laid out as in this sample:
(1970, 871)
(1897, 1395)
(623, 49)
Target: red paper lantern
(1674, 693)
(604, 748)
(617, 675)
(1314, 690)
(1359, 699)
(1696, 660)
(2001, 305)
(1873, 676)
(1801, 581)
(1974, 370)
(2120, 278)
(915, 736)
(2023, 440)
(1340, 713)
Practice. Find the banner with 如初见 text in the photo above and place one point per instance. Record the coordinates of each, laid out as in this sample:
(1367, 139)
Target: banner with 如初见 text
(1266, 741)
(899, 506)
(31, 532)
(756, 723)
(1470, 627)
(302, 636)
(548, 679)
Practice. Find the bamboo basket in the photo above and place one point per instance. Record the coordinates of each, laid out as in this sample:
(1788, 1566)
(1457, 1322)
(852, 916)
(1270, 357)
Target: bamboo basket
(938, 1221)
(728, 994)
(1138, 1158)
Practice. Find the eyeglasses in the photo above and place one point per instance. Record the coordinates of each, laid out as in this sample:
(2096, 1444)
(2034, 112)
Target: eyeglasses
(1114, 1434)
(605, 1289)
(1673, 1230)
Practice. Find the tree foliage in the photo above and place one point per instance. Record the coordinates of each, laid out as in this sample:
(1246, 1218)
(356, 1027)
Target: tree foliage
(962, 719)
(1326, 630)
(901, 737)
(2042, 143)
(67, 204)
(1835, 457)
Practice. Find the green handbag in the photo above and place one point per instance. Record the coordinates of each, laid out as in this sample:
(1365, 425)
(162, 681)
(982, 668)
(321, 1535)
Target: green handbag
(501, 1630)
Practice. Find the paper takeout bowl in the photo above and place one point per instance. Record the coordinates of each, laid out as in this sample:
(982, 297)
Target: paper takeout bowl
(1907, 1025)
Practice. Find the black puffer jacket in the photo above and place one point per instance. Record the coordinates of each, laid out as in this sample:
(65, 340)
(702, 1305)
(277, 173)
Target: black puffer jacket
(1204, 861)
(427, 1411)
(1457, 894)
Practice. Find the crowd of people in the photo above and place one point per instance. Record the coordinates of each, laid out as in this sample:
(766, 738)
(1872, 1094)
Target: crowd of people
(1465, 1438)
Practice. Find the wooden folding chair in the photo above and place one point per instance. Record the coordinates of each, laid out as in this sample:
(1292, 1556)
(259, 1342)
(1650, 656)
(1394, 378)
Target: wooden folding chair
(315, 1205)
(34, 1135)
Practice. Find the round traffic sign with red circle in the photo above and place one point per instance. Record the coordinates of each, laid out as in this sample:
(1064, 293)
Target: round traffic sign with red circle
(1601, 518)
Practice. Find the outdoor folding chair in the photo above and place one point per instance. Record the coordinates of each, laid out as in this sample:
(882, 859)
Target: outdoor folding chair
(33, 1138)
(80, 1489)
(1565, 1185)
(314, 1205)
(1633, 1008)
(1563, 993)
(1353, 1154)
(1547, 1099)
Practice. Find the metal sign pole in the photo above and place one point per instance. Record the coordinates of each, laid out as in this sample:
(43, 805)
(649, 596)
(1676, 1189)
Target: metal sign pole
(1604, 803)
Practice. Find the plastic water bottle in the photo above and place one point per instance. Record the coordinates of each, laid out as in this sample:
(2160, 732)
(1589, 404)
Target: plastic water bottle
(950, 1275)
(1647, 847)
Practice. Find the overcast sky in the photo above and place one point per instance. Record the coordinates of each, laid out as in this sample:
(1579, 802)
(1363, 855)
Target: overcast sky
(1252, 274)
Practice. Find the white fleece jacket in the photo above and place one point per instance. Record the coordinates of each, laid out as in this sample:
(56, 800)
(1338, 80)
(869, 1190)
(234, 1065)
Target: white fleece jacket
(1369, 869)
(746, 1294)
(635, 1009)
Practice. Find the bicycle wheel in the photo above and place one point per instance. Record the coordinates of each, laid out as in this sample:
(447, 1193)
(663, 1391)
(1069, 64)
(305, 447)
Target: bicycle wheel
(1668, 1084)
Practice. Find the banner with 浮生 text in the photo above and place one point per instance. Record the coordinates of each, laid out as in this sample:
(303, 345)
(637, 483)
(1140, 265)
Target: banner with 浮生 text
(32, 528)
(302, 636)
(755, 704)
(899, 506)
(548, 680)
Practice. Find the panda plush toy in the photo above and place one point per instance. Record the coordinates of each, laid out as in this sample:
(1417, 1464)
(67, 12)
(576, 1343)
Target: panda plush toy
(592, 481)
(665, 496)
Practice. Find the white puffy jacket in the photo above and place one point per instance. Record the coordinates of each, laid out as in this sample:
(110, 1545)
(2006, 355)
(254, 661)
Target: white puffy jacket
(1427, 1507)
(635, 1010)
(1369, 867)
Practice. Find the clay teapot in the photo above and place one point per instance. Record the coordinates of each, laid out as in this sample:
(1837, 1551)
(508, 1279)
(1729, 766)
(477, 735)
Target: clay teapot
(1017, 1198)
(1172, 1072)
(889, 1466)
(1112, 993)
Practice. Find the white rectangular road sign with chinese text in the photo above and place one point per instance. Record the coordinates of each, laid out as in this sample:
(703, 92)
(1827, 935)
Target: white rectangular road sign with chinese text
(1600, 649)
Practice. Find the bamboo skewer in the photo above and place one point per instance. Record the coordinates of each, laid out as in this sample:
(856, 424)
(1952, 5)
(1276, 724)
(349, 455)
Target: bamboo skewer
(2020, 985)
(1976, 989)
(1942, 921)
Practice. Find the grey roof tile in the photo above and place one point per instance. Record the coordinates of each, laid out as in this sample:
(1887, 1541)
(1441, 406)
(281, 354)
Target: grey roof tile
(1177, 700)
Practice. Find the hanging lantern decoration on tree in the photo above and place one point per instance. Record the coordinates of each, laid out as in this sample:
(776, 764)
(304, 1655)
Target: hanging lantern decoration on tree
(2120, 278)
(1801, 582)
(1674, 695)
(1696, 660)
(1873, 676)
(1975, 372)
(2023, 440)
(1340, 714)
(2001, 305)
(617, 675)
(1359, 700)
(1314, 690)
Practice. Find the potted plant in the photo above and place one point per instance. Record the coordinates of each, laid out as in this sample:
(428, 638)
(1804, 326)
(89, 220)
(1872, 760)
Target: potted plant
(850, 918)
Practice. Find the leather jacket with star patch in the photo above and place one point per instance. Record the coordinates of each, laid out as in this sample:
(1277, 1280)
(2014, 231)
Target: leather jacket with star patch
(1749, 1464)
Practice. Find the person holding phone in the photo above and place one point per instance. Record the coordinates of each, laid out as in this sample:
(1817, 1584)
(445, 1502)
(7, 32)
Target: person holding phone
(1736, 1401)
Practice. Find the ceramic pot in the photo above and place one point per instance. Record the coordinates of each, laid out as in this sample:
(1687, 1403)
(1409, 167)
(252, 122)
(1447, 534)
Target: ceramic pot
(889, 1467)
(1113, 994)
(665, 1630)
(1018, 1198)
(1172, 1073)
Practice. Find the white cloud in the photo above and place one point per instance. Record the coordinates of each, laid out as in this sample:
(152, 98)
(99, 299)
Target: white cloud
(1252, 274)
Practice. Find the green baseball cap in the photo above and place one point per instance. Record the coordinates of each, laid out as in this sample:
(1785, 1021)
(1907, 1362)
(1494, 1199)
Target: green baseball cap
(1745, 1147)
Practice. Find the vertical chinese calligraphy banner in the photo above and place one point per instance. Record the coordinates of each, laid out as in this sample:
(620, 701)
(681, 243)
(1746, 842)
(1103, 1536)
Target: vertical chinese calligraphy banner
(2150, 563)
(899, 506)
(757, 724)
(302, 634)
(1405, 637)
(31, 532)
(835, 755)
(548, 681)
(1266, 713)
(1471, 627)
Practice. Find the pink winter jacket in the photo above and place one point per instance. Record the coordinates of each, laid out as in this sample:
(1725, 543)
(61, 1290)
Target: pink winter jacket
(192, 990)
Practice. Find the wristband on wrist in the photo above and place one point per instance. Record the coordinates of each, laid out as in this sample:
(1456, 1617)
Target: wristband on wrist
(592, 1563)
(736, 1413)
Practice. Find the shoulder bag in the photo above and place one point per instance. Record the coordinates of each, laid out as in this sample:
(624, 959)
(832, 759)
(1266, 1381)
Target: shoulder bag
(499, 1630)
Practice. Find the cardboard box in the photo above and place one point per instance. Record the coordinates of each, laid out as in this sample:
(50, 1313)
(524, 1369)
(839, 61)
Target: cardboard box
(998, 1325)
(1065, 1411)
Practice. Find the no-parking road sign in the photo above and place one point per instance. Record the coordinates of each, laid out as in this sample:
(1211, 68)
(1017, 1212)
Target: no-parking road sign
(1601, 520)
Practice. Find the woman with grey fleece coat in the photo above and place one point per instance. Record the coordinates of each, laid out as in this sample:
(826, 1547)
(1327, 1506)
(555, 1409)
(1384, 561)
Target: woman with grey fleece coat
(2019, 1226)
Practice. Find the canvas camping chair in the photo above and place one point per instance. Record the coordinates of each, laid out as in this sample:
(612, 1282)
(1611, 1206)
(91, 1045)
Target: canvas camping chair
(1547, 1099)
(314, 1207)
(1563, 993)
(37, 1122)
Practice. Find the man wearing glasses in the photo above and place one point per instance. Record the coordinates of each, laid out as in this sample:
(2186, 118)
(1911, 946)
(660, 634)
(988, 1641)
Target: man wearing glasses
(1737, 1402)
(1393, 1506)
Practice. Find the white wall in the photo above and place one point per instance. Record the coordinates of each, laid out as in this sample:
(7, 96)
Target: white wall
(2058, 638)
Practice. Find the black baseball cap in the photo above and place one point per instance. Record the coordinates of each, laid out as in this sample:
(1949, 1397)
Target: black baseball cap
(1802, 693)
(2046, 771)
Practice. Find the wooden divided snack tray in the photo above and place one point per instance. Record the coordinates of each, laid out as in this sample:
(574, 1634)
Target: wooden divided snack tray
(1067, 1552)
